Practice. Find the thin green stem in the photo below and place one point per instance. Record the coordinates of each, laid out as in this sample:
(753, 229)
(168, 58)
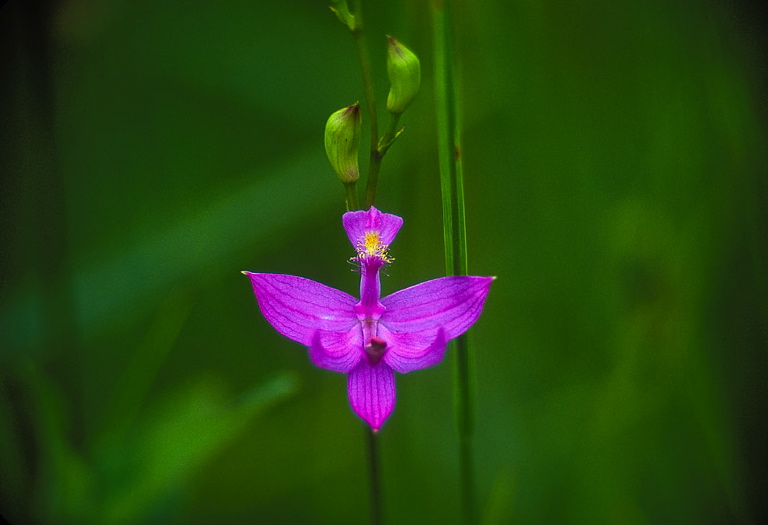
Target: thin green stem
(376, 157)
(390, 134)
(373, 178)
(373, 457)
(454, 231)
(366, 69)
(464, 422)
(351, 196)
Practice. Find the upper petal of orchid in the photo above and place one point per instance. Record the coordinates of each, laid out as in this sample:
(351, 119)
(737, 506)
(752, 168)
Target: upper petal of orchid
(337, 351)
(298, 307)
(372, 392)
(359, 223)
(450, 303)
(412, 351)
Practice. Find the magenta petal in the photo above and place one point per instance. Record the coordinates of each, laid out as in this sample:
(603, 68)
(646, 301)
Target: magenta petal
(297, 307)
(372, 392)
(335, 351)
(453, 303)
(358, 223)
(408, 352)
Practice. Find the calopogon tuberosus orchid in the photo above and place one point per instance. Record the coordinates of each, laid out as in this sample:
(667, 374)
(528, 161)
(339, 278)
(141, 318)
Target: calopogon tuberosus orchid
(373, 337)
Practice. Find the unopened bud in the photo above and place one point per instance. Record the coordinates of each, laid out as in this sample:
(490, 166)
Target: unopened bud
(342, 138)
(404, 73)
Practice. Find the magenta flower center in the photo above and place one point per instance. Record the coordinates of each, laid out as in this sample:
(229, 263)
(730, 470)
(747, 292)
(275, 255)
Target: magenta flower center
(375, 350)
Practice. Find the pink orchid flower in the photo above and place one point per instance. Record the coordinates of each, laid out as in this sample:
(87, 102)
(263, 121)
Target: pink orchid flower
(373, 337)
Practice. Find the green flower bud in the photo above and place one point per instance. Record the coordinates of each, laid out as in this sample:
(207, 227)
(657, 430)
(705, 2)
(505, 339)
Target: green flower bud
(404, 73)
(342, 138)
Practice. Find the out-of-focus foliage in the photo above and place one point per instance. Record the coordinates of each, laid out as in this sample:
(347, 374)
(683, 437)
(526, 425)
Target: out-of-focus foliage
(615, 163)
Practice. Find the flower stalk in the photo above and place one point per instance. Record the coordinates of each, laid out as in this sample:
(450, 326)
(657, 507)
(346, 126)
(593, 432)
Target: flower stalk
(366, 69)
(373, 463)
(355, 24)
(381, 354)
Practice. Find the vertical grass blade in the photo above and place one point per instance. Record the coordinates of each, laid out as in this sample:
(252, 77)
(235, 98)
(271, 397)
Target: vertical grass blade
(454, 230)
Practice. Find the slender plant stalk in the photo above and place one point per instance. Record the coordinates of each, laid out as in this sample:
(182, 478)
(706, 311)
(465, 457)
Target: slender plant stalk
(390, 134)
(374, 161)
(351, 196)
(373, 178)
(454, 231)
(377, 154)
(373, 456)
(370, 195)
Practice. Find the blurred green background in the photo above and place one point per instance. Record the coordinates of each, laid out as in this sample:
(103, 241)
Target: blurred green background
(615, 165)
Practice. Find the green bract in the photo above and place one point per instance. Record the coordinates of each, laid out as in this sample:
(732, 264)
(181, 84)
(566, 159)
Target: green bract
(341, 9)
